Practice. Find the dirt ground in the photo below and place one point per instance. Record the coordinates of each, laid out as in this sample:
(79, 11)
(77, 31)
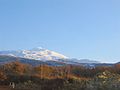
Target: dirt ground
(5, 88)
(8, 88)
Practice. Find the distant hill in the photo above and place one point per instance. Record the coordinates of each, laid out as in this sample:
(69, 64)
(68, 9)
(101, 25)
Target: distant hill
(7, 59)
(35, 53)
(41, 55)
(37, 56)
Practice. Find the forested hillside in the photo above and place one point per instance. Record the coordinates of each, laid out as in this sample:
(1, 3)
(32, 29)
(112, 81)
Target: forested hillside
(44, 77)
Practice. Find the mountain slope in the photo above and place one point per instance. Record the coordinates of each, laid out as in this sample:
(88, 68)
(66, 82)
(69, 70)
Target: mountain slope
(36, 53)
(44, 55)
(7, 59)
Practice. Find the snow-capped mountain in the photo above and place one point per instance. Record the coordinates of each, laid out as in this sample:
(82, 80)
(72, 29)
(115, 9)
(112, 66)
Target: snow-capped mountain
(46, 56)
(35, 53)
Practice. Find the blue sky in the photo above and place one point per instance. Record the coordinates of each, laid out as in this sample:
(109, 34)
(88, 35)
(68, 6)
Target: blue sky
(76, 28)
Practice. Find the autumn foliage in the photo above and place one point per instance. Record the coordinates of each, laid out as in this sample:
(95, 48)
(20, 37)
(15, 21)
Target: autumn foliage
(68, 77)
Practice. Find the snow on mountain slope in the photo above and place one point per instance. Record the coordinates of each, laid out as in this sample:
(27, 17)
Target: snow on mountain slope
(36, 53)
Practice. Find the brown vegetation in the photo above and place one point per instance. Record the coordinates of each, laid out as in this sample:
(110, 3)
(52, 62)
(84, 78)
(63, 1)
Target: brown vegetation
(68, 77)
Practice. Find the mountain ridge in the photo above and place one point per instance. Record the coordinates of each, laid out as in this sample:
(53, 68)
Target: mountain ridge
(44, 55)
(35, 53)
